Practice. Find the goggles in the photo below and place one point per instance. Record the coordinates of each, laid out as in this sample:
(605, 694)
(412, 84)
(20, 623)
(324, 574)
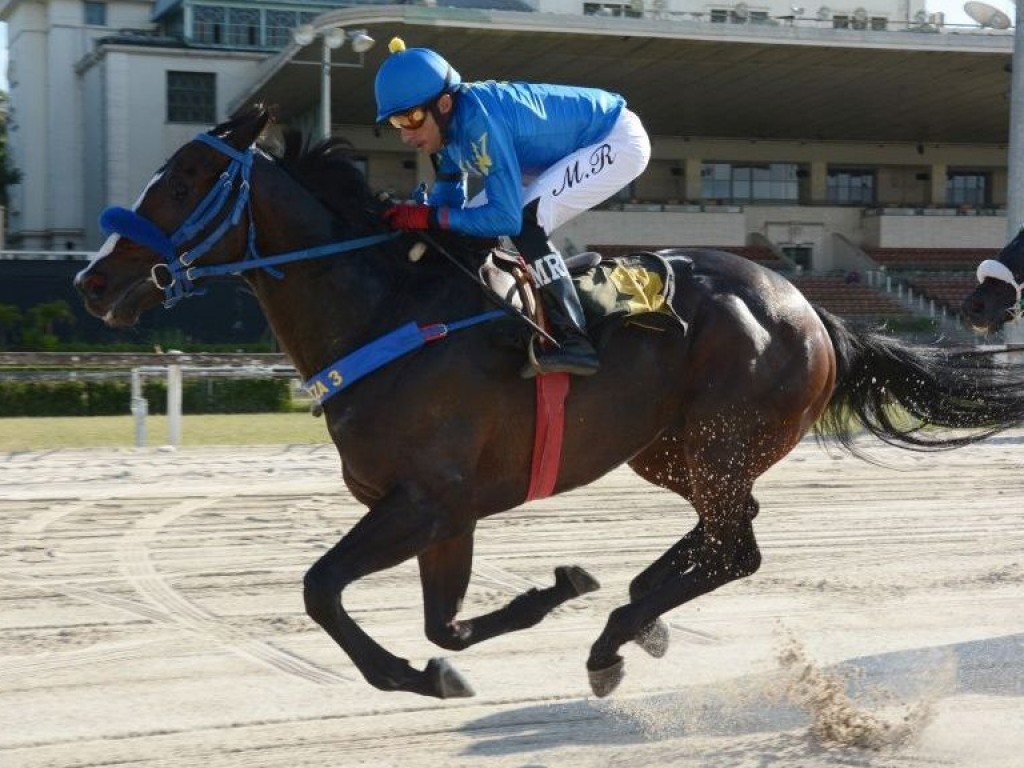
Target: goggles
(411, 120)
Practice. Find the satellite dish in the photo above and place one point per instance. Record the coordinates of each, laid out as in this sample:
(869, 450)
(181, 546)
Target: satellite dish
(860, 14)
(824, 13)
(742, 10)
(986, 15)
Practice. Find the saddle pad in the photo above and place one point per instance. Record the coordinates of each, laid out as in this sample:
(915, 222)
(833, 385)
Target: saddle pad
(625, 286)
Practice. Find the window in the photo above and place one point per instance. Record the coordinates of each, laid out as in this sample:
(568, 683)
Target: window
(767, 183)
(279, 28)
(850, 186)
(243, 28)
(967, 188)
(208, 24)
(860, 21)
(631, 10)
(95, 14)
(799, 255)
(738, 16)
(191, 97)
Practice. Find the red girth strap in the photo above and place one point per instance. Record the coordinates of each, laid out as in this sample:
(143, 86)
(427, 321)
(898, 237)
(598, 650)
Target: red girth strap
(547, 442)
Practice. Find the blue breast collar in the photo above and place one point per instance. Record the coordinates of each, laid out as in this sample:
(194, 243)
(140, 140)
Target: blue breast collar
(391, 346)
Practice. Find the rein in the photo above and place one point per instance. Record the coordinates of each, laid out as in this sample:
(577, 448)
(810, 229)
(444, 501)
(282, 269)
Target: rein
(176, 276)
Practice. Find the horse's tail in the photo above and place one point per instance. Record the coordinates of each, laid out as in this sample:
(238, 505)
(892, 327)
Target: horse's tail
(896, 392)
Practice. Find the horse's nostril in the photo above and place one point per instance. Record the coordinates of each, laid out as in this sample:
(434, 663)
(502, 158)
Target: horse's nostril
(91, 285)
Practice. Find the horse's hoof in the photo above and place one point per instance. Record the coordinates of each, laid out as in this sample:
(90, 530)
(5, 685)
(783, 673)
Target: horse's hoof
(654, 638)
(604, 681)
(447, 680)
(581, 581)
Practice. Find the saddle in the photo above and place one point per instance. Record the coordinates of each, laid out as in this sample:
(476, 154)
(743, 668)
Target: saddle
(636, 288)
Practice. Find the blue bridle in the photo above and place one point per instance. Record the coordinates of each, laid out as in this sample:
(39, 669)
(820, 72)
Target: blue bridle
(176, 276)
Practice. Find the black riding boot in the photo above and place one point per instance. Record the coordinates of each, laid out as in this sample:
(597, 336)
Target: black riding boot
(561, 304)
(576, 354)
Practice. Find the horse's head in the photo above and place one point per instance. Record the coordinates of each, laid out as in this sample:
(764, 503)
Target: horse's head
(997, 299)
(194, 207)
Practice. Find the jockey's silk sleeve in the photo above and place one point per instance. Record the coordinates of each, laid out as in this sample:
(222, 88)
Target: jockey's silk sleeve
(504, 132)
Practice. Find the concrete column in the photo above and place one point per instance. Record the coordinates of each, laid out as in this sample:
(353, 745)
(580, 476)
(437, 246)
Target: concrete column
(937, 194)
(819, 181)
(693, 186)
(1015, 186)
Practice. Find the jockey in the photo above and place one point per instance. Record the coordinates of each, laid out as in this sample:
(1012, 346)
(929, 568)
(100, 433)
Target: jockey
(546, 153)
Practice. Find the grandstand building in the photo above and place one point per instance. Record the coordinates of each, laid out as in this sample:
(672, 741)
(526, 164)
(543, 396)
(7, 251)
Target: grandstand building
(828, 139)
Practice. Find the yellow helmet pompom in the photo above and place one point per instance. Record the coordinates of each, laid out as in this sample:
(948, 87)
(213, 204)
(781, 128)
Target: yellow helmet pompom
(397, 45)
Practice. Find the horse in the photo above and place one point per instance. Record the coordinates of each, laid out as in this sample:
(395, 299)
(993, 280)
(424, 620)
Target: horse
(997, 298)
(443, 435)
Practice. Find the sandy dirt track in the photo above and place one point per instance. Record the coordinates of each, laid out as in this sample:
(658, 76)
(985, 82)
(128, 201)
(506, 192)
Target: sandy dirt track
(151, 615)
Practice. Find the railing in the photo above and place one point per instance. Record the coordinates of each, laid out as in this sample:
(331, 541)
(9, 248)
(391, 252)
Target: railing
(175, 374)
(46, 255)
(173, 371)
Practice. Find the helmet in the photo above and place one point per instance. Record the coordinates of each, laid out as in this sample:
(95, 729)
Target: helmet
(410, 77)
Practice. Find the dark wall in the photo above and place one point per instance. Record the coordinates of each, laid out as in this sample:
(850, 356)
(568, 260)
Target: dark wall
(227, 313)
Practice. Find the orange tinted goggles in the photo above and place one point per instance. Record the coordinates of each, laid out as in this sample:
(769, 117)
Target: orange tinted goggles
(411, 120)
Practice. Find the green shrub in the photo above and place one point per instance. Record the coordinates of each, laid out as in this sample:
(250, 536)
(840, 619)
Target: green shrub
(113, 397)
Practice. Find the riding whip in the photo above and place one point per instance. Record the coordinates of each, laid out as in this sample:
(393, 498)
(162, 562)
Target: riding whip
(506, 305)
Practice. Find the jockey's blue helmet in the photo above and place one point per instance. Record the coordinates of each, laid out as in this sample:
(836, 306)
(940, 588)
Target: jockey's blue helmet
(410, 77)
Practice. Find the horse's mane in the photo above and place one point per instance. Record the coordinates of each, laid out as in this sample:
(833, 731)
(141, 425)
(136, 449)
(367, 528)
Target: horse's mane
(327, 169)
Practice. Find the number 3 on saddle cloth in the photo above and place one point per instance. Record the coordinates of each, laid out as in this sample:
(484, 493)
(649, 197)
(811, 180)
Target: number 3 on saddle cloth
(635, 289)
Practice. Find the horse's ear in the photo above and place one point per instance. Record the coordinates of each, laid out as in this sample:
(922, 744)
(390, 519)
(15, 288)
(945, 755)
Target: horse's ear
(242, 132)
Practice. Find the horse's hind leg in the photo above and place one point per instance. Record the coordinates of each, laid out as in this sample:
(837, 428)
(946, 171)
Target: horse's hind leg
(444, 576)
(720, 548)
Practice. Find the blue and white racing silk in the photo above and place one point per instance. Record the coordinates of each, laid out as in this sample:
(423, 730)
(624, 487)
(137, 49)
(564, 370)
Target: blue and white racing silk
(505, 132)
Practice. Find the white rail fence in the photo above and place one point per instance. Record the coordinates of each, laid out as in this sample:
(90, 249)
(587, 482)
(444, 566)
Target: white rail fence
(175, 375)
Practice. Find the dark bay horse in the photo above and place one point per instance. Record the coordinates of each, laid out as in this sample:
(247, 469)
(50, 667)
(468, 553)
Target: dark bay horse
(443, 436)
(997, 299)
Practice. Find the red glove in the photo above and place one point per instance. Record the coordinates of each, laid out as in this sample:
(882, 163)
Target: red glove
(409, 217)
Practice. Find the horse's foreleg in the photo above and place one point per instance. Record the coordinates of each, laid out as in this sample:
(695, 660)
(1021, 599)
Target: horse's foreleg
(444, 574)
(727, 551)
(393, 530)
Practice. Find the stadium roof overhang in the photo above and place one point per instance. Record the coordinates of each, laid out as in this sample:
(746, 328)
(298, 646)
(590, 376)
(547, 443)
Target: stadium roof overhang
(688, 79)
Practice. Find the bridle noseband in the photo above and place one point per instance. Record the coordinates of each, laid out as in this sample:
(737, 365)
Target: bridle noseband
(177, 275)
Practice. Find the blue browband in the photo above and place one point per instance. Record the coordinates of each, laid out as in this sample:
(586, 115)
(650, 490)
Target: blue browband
(177, 275)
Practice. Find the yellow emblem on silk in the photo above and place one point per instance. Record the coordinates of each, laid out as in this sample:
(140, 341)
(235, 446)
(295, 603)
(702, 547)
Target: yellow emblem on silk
(481, 160)
(642, 288)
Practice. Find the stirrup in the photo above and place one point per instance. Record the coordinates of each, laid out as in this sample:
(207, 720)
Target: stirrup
(535, 367)
(532, 367)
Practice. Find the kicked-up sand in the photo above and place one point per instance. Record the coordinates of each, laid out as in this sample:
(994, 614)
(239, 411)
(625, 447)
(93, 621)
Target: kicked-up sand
(151, 615)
